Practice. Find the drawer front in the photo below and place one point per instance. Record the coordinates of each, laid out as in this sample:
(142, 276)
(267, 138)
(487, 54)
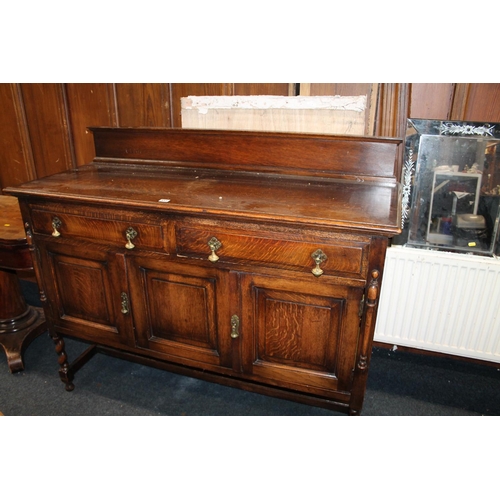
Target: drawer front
(98, 230)
(343, 256)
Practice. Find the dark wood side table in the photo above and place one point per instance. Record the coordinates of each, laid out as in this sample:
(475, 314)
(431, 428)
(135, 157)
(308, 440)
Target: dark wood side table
(20, 323)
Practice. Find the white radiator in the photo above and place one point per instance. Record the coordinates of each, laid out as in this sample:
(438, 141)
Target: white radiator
(441, 301)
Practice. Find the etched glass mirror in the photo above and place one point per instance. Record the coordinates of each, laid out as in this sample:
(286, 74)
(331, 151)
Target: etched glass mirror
(451, 186)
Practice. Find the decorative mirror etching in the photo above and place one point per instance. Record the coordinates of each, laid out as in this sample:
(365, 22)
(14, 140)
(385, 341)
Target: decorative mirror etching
(448, 128)
(408, 171)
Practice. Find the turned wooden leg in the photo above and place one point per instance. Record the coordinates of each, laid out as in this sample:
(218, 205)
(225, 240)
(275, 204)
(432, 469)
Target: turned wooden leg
(19, 322)
(65, 372)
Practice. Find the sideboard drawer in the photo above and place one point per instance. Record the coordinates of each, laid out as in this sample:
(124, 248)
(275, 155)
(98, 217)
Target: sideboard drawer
(65, 225)
(343, 256)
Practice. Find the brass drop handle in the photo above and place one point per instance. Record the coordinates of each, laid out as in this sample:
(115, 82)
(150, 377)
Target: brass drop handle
(214, 244)
(130, 234)
(319, 257)
(56, 224)
(235, 327)
(125, 304)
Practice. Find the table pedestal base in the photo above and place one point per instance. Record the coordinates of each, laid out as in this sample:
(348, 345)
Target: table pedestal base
(15, 342)
(19, 322)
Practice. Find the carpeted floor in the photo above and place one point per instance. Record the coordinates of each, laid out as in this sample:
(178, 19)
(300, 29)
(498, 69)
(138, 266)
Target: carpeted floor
(399, 384)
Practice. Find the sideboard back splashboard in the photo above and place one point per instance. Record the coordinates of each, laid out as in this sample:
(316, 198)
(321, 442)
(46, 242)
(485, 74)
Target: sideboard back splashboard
(244, 258)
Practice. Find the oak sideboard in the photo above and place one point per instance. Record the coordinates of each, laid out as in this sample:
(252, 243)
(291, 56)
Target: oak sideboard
(244, 258)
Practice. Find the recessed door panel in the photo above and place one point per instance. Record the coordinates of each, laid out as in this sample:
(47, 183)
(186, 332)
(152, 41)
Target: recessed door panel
(297, 329)
(84, 288)
(299, 333)
(181, 310)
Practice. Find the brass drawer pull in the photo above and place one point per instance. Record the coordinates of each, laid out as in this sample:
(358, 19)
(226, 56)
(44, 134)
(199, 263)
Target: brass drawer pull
(319, 257)
(56, 224)
(130, 233)
(214, 244)
(125, 305)
(235, 326)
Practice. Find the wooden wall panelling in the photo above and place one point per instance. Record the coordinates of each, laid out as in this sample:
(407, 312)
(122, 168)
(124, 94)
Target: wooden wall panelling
(47, 120)
(335, 88)
(44, 126)
(477, 102)
(459, 101)
(16, 158)
(89, 105)
(431, 100)
(392, 114)
(143, 104)
(263, 89)
(392, 110)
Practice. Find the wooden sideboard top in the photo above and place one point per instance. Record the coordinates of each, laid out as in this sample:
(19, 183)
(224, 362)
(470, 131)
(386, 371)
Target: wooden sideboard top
(333, 182)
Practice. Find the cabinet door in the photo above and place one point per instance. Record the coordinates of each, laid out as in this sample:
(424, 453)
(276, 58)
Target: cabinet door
(300, 334)
(84, 291)
(181, 310)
